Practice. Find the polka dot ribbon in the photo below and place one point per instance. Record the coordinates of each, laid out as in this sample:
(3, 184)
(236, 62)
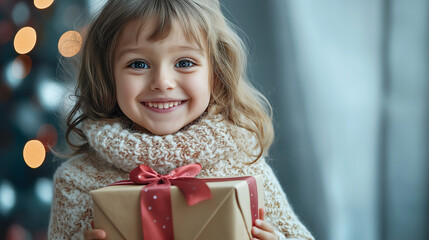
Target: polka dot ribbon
(155, 198)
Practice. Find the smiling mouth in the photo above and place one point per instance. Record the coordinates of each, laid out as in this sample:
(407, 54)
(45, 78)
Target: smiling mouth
(163, 105)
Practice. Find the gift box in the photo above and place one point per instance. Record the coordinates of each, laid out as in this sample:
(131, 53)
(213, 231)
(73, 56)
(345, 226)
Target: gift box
(226, 215)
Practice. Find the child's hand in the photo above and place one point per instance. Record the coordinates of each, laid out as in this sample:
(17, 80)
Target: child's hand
(263, 229)
(94, 233)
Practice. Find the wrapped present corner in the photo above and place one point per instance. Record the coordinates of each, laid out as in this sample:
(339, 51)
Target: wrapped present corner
(228, 213)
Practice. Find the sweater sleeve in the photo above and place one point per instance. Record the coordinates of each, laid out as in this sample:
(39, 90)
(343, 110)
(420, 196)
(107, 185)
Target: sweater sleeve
(71, 208)
(278, 211)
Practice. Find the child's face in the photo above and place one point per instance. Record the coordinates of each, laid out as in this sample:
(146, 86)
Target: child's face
(161, 85)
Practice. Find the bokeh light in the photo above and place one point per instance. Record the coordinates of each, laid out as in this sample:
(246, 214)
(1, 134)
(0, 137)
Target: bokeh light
(7, 197)
(25, 40)
(10, 73)
(42, 4)
(6, 30)
(28, 117)
(17, 232)
(50, 94)
(48, 135)
(21, 66)
(34, 153)
(17, 70)
(44, 188)
(20, 13)
(70, 43)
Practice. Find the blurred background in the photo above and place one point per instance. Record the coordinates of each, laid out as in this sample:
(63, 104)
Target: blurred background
(348, 81)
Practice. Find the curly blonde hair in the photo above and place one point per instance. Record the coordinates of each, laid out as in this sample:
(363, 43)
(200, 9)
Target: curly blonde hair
(232, 94)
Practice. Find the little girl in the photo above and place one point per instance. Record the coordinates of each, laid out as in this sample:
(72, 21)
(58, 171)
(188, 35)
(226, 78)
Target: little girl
(162, 83)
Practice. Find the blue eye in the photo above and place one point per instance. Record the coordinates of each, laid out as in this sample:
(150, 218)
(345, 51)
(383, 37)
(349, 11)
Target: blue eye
(139, 65)
(184, 64)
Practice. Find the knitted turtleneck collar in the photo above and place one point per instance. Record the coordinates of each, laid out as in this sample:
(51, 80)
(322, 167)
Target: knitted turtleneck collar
(207, 140)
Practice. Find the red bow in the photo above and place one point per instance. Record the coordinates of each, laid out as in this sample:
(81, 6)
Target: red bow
(155, 201)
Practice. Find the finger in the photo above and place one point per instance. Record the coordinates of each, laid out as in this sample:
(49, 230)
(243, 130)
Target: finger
(92, 223)
(261, 234)
(262, 213)
(95, 234)
(264, 225)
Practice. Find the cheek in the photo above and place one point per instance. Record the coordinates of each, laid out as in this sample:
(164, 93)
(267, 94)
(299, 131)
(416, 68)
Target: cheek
(121, 90)
(126, 87)
(200, 88)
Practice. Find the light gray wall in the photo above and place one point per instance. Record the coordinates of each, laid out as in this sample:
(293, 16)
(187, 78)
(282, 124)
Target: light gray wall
(348, 83)
(407, 165)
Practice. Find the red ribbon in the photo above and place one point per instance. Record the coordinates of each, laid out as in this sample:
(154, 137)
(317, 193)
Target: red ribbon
(155, 199)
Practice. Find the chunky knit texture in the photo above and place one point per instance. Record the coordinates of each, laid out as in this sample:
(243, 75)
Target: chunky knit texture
(217, 145)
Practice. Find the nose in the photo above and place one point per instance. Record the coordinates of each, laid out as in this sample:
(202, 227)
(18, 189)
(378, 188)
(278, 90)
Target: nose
(162, 80)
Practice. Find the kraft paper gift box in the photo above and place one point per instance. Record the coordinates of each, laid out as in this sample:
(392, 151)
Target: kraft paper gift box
(227, 215)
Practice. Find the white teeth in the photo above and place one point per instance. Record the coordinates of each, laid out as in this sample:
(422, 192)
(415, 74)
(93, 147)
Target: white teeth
(163, 105)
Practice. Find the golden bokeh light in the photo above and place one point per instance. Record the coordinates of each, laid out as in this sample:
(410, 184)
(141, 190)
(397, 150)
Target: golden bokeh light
(21, 66)
(42, 4)
(70, 43)
(34, 153)
(25, 40)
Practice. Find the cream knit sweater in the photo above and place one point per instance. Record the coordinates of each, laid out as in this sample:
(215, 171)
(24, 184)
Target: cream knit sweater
(117, 150)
